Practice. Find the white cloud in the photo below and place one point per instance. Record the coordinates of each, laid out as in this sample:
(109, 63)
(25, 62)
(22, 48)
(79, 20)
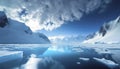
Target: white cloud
(48, 14)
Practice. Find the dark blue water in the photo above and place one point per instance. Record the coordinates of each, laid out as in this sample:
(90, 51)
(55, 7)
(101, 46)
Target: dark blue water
(57, 57)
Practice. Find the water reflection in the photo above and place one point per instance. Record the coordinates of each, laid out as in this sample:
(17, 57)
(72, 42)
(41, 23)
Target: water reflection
(59, 57)
(50, 63)
(41, 63)
(32, 63)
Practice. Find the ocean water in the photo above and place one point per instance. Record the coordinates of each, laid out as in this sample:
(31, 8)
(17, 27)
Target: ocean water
(40, 56)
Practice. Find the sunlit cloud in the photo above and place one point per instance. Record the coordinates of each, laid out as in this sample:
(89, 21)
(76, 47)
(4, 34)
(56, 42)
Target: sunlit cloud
(49, 14)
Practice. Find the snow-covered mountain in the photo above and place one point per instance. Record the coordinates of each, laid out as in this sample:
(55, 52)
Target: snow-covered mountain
(67, 39)
(12, 31)
(108, 33)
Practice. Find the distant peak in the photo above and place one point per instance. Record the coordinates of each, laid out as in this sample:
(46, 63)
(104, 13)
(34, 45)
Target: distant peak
(3, 19)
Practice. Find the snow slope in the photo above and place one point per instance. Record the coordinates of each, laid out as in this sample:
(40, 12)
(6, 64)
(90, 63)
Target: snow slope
(109, 33)
(14, 32)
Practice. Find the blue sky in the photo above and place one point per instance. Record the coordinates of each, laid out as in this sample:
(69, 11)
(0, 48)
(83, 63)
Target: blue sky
(89, 23)
(62, 17)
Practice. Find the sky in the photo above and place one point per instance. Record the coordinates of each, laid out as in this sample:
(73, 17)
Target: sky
(89, 23)
(62, 17)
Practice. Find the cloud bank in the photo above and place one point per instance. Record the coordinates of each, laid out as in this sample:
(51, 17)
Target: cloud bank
(49, 14)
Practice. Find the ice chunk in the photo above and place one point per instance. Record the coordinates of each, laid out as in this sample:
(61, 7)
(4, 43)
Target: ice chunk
(84, 59)
(78, 62)
(109, 63)
(10, 55)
